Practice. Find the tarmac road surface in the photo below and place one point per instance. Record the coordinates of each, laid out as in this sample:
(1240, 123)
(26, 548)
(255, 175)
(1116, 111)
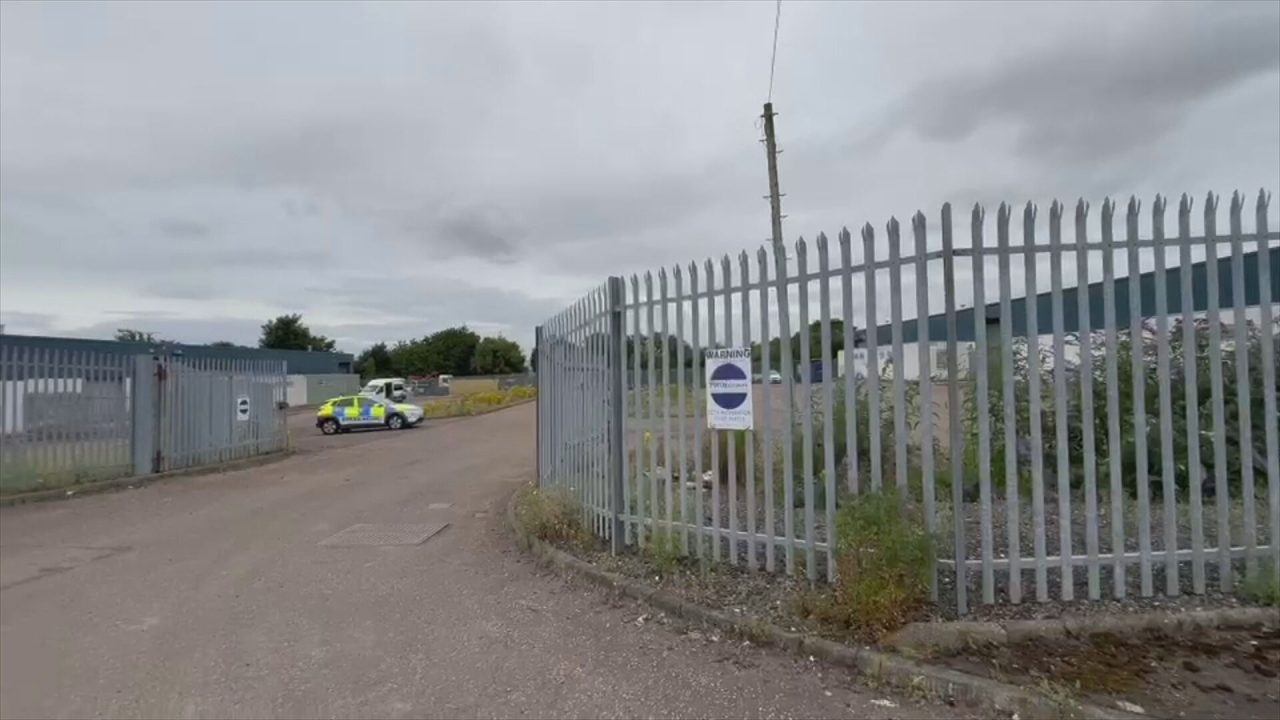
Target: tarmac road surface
(211, 596)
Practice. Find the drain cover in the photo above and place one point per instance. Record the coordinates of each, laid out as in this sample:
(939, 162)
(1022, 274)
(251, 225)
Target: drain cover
(367, 534)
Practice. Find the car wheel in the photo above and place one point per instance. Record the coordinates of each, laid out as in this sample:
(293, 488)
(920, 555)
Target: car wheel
(329, 427)
(395, 422)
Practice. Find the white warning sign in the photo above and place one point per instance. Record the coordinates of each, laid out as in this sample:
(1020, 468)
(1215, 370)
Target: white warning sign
(242, 407)
(729, 389)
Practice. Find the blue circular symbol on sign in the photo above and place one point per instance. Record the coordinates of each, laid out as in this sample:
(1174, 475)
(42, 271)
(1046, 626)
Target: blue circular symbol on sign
(732, 382)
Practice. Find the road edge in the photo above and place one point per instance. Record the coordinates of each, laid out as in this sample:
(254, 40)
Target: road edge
(891, 668)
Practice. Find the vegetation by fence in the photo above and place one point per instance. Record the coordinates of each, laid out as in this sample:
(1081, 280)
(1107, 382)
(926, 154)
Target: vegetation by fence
(1115, 433)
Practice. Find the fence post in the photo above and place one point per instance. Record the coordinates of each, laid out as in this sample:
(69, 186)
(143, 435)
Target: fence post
(616, 436)
(537, 416)
(145, 413)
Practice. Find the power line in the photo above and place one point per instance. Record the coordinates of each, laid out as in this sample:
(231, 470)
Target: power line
(777, 18)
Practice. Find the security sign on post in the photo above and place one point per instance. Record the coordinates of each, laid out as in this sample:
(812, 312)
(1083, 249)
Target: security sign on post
(729, 389)
(242, 407)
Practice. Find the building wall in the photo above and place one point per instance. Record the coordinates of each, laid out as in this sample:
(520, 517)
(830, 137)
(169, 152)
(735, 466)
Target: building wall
(314, 389)
(323, 387)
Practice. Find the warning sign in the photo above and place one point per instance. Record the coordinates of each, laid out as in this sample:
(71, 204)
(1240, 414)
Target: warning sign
(242, 407)
(729, 389)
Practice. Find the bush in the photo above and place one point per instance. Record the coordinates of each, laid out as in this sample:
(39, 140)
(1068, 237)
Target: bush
(521, 392)
(1262, 586)
(1023, 364)
(551, 514)
(882, 566)
(664, 550)
(486, 399)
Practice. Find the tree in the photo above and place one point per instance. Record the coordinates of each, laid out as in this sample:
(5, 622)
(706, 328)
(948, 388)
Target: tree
(222, 344)
(375, 362)
(131, 335)
(452, 350)
(288, 332)
(498, 356)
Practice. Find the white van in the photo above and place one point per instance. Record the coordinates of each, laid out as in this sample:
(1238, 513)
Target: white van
(392, 389)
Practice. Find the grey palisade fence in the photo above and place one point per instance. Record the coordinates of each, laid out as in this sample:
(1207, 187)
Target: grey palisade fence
(1108, 430)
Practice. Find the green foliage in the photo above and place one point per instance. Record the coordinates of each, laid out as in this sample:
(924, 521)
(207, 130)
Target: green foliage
(498, 356)
(1123, 351)
(450, 351)
(288, 332)
(1262, 586)
(131, 335)
(862, 435)
(222, 344)
(455, 406)
(882, 567)
(522, 392)
(453, 349)
(375, 362)
(664, 551)
(551, 514)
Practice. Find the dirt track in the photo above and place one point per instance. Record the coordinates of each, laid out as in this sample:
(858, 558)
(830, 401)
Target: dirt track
(210, 596)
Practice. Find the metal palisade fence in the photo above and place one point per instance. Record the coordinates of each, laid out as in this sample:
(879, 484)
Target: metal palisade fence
(73, 417)
(1111, 429)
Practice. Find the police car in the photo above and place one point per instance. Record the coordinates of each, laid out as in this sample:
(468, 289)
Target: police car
(349, 412)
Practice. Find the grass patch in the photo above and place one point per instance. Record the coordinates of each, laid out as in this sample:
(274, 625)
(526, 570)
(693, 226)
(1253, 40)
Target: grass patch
(882, 569)
(476, 403)
(552, 515)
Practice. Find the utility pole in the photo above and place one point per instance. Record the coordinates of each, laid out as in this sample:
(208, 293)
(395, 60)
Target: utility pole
(771, 151)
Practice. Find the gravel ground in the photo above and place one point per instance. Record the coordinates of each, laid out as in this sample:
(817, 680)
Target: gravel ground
(1216, 673)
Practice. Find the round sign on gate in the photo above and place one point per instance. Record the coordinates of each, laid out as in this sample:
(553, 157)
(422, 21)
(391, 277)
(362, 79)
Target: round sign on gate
(729, 386)
(242, 407)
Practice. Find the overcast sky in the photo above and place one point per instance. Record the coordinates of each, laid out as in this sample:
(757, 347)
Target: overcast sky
(390, 170)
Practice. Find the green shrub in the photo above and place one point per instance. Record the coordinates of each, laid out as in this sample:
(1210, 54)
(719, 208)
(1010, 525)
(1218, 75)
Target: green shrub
(521, 392)
(664, 550)
(882, 566)
(1123, 350)
(1262, 586)
(552, 515)
(486, 399)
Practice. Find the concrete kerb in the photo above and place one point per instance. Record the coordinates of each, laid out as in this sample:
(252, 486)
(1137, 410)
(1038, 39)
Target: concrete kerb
(70, 491)
(924, 638)
(890, 668)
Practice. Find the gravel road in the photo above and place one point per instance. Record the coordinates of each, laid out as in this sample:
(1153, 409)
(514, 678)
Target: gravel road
(210, 596)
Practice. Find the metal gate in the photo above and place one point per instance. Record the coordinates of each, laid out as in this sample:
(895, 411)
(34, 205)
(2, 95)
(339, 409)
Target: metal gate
(208, 411)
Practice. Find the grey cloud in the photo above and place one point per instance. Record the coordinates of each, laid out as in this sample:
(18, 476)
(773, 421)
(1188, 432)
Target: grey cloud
(389, 173)
(1080, 98)
(479, 233)
(27, 323)
(182, 290)
(180, 229)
